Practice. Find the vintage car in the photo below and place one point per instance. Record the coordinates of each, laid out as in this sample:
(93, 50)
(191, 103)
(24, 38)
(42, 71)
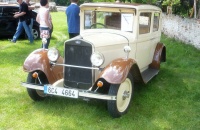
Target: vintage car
(119, 45)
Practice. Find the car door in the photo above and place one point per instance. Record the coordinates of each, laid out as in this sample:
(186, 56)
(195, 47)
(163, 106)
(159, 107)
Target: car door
(149, 33)
(8, 23)
(144, 36)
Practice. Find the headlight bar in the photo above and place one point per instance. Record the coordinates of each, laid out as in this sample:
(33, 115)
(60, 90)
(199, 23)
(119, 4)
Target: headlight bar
(75, 66)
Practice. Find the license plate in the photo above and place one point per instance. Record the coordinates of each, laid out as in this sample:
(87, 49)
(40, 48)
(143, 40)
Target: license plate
(72, 93)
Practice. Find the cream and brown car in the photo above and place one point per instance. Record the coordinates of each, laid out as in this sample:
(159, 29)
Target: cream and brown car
(119, 45)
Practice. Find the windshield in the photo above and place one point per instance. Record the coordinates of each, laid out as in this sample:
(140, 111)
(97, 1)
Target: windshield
(108, 20)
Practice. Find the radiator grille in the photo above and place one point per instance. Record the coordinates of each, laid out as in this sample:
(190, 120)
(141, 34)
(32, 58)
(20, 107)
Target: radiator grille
(78, 52)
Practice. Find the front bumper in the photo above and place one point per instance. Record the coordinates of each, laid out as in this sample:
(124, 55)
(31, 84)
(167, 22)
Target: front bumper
(81, 93)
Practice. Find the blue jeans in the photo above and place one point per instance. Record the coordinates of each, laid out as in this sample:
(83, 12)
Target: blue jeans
(31, 26)
(48, 40)
(22, 25)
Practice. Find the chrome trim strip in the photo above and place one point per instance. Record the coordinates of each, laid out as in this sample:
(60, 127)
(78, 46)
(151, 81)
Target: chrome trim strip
(92, 68)
(97, 96)
(81, 93)
(37, 87)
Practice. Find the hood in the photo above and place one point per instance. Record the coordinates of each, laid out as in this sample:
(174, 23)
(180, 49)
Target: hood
(106, 37)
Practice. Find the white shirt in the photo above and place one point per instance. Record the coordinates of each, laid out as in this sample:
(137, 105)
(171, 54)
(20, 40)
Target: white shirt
(41, 13)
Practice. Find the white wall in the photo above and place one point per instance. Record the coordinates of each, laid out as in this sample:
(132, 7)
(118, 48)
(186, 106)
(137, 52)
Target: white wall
(183, 29)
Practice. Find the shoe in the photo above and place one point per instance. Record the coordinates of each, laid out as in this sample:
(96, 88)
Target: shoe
(11, 40)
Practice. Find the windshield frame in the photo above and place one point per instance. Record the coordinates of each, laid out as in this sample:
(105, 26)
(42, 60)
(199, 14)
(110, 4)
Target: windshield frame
(89, 17)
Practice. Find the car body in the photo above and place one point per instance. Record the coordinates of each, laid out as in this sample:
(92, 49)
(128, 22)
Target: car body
(119, 45)
(8, 24)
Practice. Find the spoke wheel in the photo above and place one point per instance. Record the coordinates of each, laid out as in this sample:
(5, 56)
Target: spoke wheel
(36, 32)
(123, 93)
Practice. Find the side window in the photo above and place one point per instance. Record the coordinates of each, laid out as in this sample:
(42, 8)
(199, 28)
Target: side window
(9, 12)
(156, 21)
(144, 22)
(1, 11)
(88, 19)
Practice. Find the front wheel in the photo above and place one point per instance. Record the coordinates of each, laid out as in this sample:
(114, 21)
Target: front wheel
(123, 93)
(36, 95)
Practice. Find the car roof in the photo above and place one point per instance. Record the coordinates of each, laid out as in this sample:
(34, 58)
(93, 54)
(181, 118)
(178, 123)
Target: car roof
(121, 5)
(6, 4)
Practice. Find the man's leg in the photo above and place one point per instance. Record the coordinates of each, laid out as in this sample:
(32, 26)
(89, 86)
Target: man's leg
(28, 31)
(71, 35)
(31, 26)
(18, 32)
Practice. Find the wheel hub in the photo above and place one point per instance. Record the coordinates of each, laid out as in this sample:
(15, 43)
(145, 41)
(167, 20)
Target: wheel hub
(126, 94)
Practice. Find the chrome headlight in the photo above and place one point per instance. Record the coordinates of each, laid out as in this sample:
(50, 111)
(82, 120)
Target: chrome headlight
(97, 59)
(53, 54)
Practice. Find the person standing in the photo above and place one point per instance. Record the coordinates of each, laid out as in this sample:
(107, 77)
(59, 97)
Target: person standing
(30, 15)
(73, 19)
(45, 21)
(22, 15)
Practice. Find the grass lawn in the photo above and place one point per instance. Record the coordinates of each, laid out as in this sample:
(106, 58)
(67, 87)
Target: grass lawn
(170, 101)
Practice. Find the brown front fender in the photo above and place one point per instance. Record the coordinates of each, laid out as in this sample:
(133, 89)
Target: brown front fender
(38, 60)
(117, 71)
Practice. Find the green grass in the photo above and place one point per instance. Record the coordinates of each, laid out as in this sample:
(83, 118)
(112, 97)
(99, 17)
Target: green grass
(171, 101)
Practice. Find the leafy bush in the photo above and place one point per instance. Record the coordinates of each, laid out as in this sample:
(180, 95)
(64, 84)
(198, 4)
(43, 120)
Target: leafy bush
(180, 7)
(67, 2)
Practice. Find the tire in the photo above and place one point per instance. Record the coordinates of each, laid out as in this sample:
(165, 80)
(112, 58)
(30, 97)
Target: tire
(36, 32)
(120, 106)
(36, 95)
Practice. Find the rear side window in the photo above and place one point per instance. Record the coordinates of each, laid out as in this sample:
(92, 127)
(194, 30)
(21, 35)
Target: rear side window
(9, 11)
(1, 11)
(156, 21)
(144, 22)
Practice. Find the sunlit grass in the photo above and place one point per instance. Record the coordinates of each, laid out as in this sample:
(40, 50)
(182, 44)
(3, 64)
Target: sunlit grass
(170, 101)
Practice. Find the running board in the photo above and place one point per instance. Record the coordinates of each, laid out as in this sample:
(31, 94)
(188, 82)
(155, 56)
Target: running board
(148, 74)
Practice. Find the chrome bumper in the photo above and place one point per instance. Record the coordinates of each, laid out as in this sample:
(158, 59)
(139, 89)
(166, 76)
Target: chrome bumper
(81, 93)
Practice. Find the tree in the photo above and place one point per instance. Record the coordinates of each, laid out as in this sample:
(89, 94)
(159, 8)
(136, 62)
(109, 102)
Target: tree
(171, 2)
(67, 2)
